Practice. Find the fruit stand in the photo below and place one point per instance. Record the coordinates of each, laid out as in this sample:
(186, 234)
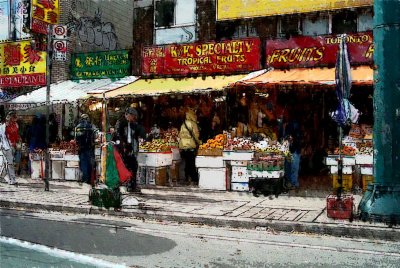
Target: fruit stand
(241, 164)
(357, 156)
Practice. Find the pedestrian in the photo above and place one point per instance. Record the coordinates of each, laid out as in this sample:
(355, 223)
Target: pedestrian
(85, 133)
(293, 134)
(188, 145)
(12, 132)
(128, 132)
(7, 150)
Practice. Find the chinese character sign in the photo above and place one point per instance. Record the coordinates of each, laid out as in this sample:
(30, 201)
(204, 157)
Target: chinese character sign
(222, 57)
(21, 65)
(4, 20)
(109, 64)
(44, 12)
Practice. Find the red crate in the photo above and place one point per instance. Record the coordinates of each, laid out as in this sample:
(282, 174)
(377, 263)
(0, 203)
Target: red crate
(340, 208)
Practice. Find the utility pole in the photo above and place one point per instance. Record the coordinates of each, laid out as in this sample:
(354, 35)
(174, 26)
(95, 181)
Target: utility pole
(48, 83)
(381, 202)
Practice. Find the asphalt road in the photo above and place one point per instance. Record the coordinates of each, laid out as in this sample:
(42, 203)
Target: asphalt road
(161, 244)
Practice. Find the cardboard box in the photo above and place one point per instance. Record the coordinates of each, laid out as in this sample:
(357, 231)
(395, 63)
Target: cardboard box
(71, 157)
(209, 162)
(238, 156)
(156, 176)
(347, 170)
(154, 159)
(364, 159)
(37, 169)
(347, 182)
(240, 186)
(366, 180)
(72, 174)
(212, 178)
(141, 176)
(57, 168)
(242, 163)
(265, 174)
(174, 171)
(239, 174)
(367, 170)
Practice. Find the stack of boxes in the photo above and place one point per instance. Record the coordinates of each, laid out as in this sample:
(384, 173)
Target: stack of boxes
(212, 172)
(153, 168)
(347, 171)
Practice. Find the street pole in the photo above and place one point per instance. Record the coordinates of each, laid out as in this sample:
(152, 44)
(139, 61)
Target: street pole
(48, 83)
(381, 202)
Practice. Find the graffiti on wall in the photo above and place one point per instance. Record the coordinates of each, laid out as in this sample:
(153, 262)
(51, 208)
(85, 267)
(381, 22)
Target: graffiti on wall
(92, 30)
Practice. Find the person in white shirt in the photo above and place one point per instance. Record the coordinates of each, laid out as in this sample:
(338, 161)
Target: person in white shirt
(7, 150)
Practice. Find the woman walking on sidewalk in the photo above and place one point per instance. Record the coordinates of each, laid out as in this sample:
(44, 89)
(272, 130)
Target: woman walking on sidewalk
(8, 152)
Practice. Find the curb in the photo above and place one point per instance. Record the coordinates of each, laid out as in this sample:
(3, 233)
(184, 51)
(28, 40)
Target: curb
(346, 230)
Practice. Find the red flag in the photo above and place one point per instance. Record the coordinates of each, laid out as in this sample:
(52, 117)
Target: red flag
(123, 172)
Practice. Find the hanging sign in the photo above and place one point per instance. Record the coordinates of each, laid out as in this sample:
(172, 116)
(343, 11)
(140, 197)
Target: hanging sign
(44, 12)
(212, 57)
(21, 65)
(108, 64)
(308, 51)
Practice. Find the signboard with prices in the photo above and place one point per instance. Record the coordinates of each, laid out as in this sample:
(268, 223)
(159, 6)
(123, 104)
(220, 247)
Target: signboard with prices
(95, 65)
(307, 51)
(213, 57)
(21, 65)
(44, 12)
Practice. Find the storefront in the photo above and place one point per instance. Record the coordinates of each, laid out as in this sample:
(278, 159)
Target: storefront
(301, 82)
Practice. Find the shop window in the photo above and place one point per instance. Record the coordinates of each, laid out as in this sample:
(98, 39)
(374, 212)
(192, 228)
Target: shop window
(226, 30)
(289, 26)
(245, 29)
(174, 12)
(315, 25)
(164, 13)
(344, 22)
(365, 22)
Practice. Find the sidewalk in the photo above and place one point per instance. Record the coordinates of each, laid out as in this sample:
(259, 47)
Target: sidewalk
(287, 213)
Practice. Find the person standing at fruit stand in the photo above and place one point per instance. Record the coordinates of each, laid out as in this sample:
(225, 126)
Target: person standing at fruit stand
(188, 144)
(85, 138)
(292, 133)
(128, 132)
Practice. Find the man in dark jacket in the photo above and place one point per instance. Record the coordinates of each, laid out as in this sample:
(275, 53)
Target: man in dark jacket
(128, 132)
(85, 137)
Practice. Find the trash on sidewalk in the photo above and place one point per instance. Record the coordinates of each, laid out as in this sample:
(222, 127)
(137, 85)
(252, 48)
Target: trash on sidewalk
(130, 201)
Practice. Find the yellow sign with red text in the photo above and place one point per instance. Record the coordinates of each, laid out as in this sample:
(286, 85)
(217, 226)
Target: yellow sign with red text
(235, 9)
(44, 12)
(21, 65)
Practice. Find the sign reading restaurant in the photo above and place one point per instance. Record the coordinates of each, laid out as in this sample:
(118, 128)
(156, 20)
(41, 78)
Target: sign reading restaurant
(308, 51)
(95, 65)
(21, 65)
(211, 57)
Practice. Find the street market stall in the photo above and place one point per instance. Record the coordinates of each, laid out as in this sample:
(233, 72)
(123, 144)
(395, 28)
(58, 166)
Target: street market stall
(64, 99)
